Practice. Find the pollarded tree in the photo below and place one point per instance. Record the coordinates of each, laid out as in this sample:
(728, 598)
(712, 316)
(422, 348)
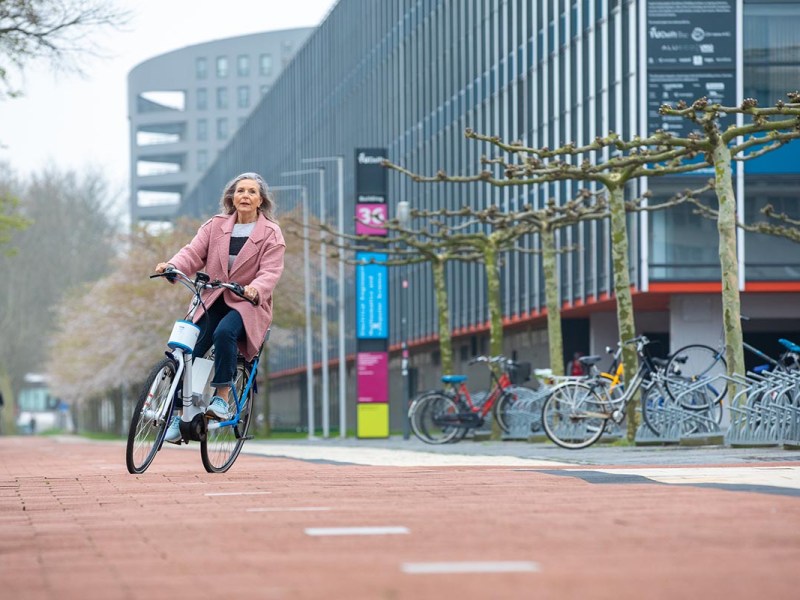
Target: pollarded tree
(767, 129)
(619, 163)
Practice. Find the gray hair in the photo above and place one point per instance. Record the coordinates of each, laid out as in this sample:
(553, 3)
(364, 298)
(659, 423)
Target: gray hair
(267, 203)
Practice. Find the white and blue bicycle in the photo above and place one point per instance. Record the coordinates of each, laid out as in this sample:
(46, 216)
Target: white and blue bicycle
(183, 376)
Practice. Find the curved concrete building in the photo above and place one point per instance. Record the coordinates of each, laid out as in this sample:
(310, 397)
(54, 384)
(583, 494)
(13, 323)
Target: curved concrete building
(186, 105)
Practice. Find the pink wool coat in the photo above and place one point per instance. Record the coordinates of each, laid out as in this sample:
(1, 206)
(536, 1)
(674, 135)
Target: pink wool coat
(259, 264)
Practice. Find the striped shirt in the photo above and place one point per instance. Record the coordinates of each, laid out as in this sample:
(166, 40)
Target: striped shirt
(238, 238)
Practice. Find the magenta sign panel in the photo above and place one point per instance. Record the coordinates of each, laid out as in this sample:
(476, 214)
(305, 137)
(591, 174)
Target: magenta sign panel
(372, 370)
(370, 219)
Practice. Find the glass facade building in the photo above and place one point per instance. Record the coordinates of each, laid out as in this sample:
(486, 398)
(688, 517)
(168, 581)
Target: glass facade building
(411, 75)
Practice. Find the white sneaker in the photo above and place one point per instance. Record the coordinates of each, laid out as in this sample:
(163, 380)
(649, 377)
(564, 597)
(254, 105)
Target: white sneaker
(173, 435)
(218, 409)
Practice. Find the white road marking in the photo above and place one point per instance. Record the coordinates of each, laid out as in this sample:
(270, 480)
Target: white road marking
(236, 493)
(325, 531)
(433, 568)
(289, 509)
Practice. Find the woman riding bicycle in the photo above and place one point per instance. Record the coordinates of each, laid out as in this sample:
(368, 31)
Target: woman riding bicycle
(243, 244)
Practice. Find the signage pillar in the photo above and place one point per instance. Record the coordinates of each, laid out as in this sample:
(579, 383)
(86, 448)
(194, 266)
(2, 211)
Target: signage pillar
(372, 299)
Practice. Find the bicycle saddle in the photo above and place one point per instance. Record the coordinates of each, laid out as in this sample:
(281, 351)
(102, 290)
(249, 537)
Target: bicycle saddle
(790, 346)
(453, 378)
(590, 360)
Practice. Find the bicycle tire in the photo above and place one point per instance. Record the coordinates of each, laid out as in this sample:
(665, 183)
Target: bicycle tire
(423, 415)
(500, 409)
(222, 445)
(655, 409)
(689, 365)
(461, 432)
(146, 432)
(574, 416)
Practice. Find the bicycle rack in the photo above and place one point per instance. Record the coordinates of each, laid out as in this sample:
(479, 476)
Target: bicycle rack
(679, 424)
(764, 412)
(524, 418)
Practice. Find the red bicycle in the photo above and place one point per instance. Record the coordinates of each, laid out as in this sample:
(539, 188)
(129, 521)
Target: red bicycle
(442, 416)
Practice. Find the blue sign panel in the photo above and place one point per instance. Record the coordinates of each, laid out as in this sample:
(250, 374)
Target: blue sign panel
(372, 298)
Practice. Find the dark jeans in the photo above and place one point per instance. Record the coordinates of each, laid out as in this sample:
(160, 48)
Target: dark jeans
(221, 326)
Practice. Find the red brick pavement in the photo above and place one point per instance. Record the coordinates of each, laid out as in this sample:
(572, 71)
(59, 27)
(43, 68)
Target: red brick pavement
(75, 524)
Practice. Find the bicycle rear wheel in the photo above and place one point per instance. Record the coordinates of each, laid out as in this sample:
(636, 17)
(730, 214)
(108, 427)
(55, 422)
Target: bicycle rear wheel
(150, 418)
(433, 418)
(574, 416)
(695, 376)
(657, 408)
(222, 445)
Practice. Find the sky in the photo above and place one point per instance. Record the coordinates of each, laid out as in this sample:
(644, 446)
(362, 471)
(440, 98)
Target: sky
(73, 121)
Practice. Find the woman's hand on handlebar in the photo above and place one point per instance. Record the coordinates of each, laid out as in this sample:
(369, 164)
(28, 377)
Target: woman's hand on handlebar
(251, 294)
(161, 267)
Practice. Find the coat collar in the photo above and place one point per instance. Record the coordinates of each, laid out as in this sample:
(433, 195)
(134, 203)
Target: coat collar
(250, 248)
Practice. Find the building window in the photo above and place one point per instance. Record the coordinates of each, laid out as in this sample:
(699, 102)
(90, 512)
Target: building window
(265, 64)
(243, 65)
(202, 130)
(201, 67)
(202, 98)
(222, 98)
(202, 160)
(222, 66)
(222, 129)
(243, 96)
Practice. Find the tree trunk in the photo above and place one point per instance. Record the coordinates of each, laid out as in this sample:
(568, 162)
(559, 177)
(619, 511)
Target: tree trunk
(445, 339)
(495, 316)
(493, 298)
(622, 290)
(555, 339)
(728, 261)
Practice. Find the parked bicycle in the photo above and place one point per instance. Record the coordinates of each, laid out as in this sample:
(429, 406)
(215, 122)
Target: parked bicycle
(576, 413)
(187, 378)
(442, 416)
(698, 362)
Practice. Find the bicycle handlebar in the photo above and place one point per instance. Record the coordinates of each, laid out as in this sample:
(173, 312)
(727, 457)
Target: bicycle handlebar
(201, 282)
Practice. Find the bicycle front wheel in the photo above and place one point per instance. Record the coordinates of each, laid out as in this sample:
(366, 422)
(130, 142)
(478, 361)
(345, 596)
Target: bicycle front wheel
(695, 376)
(434, 418)
(150, 418)
(574, 416)
(222, 445)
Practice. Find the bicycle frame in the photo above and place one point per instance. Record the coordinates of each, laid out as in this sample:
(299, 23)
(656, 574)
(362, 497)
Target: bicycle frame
(238, 401)
(640, 380)
(184, 358)
(498, 385)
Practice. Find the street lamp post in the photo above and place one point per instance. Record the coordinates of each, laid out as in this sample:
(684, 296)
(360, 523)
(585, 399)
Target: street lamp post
(404, 219)
(323, 274)
(341, 292)
(307, 298)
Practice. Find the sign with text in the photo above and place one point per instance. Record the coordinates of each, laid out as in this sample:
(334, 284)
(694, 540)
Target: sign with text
(372, 369)
(691, 53)
(372, 297)
(370, 219)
